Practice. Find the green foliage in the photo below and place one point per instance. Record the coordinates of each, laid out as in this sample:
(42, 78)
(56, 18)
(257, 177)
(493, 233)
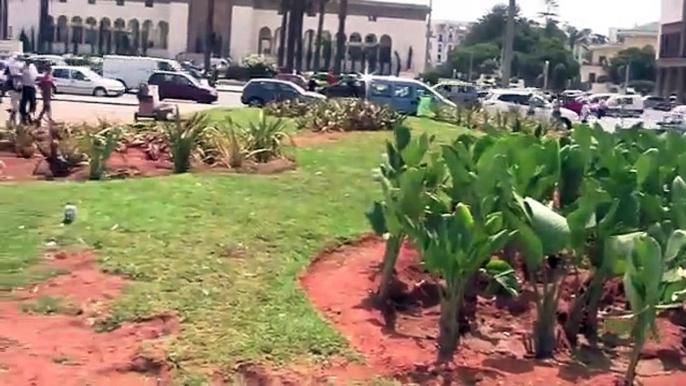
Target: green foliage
(348, 115)
(184, 137)
(534, 44)
(289, 108)
(642, 60)
(98, 147)
(266, 139)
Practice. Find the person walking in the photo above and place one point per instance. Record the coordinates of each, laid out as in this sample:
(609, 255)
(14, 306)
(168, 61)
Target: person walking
(29, 75)
(46, 85)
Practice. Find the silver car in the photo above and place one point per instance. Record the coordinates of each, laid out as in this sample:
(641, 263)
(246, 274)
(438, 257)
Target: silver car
(84, 81)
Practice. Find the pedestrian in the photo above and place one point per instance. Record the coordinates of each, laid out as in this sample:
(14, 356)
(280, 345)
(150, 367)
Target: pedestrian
(13, 87)
(46, 85)
(331, 77)
(27, 106)
(312, 85)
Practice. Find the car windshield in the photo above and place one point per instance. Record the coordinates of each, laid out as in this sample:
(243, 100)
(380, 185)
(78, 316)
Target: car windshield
(297, 88)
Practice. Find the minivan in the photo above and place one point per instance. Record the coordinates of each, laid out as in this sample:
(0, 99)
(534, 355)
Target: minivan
(461, 93)
(401, 94)
(624, 106)
(181, 85)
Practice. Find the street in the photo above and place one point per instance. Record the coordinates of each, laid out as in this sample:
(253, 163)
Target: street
(90, 109)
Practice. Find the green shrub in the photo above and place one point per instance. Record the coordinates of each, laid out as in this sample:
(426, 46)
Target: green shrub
(289, 108)
(349, 115)
(98, 146)
(184, 137)
(265, 139)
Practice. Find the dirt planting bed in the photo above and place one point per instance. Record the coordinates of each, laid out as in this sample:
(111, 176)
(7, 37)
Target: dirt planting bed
(48, 332)
(132, 162)
(401, 342)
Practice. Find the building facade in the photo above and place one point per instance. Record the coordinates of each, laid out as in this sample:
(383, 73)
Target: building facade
(593, 71)
(374, 29)
(671, 61)
(445, 35)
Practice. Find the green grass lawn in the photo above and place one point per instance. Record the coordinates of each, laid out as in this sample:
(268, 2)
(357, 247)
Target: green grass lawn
(221, 251)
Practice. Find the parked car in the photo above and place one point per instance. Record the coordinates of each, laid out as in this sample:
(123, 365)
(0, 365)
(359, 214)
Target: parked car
(461, 93)
(135, 70)
(293, 78)
(526, 103)
(402, 94)
(624, 106)
(259, 92)
(181, 85)
(657, 103)
(83, 80)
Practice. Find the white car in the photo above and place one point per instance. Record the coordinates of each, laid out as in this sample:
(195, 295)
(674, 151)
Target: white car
(82, 80)
(527, 103)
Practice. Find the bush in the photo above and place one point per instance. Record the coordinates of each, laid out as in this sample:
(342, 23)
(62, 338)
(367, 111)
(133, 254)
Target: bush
(290, 108)
(349, 115)
(265, 138)
(99, 147)
(184, 139)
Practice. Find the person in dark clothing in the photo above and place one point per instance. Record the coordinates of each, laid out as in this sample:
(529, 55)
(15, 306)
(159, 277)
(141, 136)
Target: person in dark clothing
(312, 85)
(29, 75)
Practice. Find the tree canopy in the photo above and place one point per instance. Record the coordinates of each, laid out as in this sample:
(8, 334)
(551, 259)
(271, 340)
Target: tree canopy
(642, 67)
(534, 44)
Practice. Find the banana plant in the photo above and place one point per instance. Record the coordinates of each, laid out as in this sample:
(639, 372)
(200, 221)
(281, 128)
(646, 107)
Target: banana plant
(654, 280)
(408, 177)
(542, 235)
(456, 245)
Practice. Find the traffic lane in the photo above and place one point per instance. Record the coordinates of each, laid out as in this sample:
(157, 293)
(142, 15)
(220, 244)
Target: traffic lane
(223, 100)
(92, 113)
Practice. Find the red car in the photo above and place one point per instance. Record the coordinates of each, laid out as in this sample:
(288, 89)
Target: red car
(574, 104)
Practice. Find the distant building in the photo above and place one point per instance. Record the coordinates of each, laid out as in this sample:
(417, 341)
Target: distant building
(446, 35)
(671, 61)
(376, 31)
(593, 71)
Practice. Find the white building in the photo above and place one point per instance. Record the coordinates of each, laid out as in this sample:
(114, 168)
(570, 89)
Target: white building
(446, 35)
(241, 27)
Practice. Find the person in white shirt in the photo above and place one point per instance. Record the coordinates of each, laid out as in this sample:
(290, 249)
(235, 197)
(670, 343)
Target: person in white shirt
(29, 76)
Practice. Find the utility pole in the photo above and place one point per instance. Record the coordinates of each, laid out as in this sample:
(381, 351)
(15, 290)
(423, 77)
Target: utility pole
(427, 59)
(506, 68)
(209, 35)
(546, 74)
(627, 75)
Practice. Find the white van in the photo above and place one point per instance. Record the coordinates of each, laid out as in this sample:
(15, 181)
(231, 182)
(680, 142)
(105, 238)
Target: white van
(133, 71)
(624, 106)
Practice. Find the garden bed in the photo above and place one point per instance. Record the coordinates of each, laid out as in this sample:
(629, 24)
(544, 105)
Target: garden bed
(59, 333)
(401, 342)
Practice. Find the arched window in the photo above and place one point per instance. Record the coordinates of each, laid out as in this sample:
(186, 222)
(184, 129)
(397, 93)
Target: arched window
(264, 42)
(91, 33)
(135, 31)
(62, 30)
(163, 28)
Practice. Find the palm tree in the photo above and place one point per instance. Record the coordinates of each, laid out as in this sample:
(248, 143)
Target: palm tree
(293, 26)
(340, 35)
(318, 39)
(509, 42)
(285, 5)
(209, 34)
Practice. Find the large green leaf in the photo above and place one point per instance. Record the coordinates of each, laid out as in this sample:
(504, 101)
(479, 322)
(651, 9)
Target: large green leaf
(550, 227)
(676, 246)
(504, 276)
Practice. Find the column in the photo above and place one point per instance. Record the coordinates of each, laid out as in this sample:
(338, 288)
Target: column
(681, 71)
(659, 86)
(667, 89)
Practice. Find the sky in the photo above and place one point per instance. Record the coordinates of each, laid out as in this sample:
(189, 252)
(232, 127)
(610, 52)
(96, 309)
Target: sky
(599, 15)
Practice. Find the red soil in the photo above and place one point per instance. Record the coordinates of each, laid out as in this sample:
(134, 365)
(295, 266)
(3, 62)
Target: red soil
(132, 162)
(65, 350)
(402, 344)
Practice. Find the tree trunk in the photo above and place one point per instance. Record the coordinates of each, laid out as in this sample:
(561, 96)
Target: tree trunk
(209, 34)
(293, 14)
(448, 325)
(318, 41)
(390, 256)
(639, 341)
(283, 32)
(299, 41)
(340, 35)
(506, 60)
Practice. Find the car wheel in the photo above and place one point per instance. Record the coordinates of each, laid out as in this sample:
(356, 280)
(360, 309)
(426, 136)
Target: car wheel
(255, 102)
(99, 92)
